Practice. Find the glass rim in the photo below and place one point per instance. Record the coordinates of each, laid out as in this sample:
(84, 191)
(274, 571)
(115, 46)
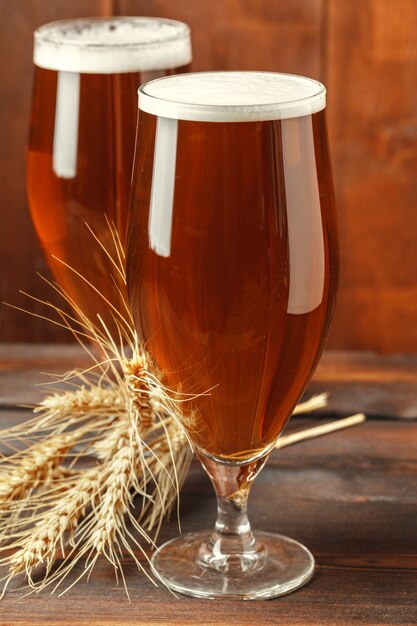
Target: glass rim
(43, 34)
(192, 111)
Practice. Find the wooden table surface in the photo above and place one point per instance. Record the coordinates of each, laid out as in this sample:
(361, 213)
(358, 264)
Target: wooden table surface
(351, 497)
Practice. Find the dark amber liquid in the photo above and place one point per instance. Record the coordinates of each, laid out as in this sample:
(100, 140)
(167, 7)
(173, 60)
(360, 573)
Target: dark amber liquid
(61, 208)
(213, 315)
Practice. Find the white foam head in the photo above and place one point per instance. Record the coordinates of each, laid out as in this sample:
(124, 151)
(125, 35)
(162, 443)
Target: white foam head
(232, 96)
(112, 45)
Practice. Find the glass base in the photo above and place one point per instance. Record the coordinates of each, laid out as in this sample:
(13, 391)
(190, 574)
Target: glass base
(190, 565)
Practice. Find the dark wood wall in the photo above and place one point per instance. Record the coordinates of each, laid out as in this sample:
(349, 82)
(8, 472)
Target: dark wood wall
(365, 51)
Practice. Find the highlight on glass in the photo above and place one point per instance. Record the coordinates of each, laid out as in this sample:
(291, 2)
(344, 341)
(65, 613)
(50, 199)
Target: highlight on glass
(81, 143)
(232, 268)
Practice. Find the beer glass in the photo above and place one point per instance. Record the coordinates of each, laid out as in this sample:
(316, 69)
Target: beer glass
(232, 268)
(81, 144)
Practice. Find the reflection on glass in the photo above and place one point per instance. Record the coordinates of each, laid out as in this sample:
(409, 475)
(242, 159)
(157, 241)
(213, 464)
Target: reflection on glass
(305, 229)
(163, 183)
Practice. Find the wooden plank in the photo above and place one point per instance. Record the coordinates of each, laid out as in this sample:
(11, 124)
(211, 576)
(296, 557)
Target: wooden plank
(371, 58)
(20, 254)
(350, 497)
(245, 35)
(24, 356)
(356, 381)
(367, 382)
(25, 368)
(334, 597)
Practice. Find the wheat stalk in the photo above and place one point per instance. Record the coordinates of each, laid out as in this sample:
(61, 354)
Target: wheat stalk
(90, 510)
(38, 466)
(96, 469)
(68, 489)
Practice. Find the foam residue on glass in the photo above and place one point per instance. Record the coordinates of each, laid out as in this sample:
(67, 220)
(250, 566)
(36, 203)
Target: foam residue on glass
(232, 96)
(112, 45)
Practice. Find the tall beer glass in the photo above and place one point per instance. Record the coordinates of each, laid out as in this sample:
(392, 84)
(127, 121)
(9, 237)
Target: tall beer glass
(232, 270)
(79, 162)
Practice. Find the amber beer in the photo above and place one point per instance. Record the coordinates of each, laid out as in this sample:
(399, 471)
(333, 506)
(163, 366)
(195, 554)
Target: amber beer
(233, 298)
(81, 144)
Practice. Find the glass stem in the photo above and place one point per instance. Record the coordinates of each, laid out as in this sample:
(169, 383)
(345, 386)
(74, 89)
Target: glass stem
(232, 530)
(232, 546)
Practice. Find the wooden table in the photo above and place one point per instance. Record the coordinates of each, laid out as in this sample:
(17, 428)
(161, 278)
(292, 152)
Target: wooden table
(351, 497)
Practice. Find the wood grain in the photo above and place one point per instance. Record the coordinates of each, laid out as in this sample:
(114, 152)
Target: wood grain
(356, 381)
(367, 382)
(349, 496)
(366, 53)
(371, 60)
(245, 34)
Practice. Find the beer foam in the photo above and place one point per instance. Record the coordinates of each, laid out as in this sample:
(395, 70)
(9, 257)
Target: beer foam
(232, 96)
(112, 45)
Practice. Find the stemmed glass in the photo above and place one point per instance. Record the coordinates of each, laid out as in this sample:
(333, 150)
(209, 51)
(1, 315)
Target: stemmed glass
(81, 143)
(232, 272)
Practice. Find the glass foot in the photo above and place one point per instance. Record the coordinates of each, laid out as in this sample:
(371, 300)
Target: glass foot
(191, 565)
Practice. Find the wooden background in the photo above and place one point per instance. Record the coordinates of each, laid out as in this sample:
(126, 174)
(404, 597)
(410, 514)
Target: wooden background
(365, 51)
